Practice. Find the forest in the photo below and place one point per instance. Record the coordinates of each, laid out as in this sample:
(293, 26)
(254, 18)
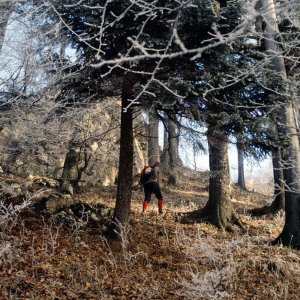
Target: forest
(93, 93)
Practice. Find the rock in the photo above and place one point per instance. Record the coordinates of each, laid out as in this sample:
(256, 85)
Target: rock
(13, 190)
(94, 146)
(66, 187)
(30, 177)
(103, 228)
(54, 204)
(105, 212)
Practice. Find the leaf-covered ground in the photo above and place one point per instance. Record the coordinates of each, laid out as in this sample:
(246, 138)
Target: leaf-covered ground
(64, 255)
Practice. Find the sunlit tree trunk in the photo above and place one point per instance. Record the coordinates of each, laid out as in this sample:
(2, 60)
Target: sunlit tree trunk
(290, 235)
(241, 172)
(173, 144)
(165, 160)
(153, 144)
(170, 157)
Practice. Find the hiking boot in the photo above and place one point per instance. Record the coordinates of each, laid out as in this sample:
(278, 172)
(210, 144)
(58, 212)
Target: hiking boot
(160, 211)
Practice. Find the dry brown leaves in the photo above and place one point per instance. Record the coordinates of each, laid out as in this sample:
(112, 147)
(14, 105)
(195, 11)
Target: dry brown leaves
(41, 259)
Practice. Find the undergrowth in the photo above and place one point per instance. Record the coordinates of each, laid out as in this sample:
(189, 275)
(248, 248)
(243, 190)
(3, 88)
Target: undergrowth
(158, 258)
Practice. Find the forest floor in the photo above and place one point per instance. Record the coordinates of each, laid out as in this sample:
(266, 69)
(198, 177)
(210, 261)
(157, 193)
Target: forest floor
(44, 255)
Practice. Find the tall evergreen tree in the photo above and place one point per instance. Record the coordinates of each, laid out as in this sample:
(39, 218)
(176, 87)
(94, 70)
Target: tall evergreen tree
(119, 20)
(290, 235)
(137, 39)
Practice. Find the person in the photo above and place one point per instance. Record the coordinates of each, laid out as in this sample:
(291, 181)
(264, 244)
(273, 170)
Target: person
(151, 186)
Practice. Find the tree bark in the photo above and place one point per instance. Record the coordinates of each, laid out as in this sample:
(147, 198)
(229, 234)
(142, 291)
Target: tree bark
(173, 144)
(165, 159)
(279, 196)
(5, 10)
(241, 172)
(219, 182)
(218, 210)
(170, 158)
(69, 178)
(124, 187)
(153, 144)
(279, 199)
(290, 235)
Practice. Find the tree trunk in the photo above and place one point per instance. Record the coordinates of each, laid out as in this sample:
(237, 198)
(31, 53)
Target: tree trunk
(290, 236)
(5, 10)
(165, 159)
(279, 199)
(173, 144)
(124, 188)
(69, 178)
(173, 151)
(218, 210)
(166, 142)
(153, 145)
(241, 172)
(170, 158)
(219, 182)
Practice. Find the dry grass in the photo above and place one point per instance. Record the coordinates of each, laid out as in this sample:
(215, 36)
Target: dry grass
(157, 259)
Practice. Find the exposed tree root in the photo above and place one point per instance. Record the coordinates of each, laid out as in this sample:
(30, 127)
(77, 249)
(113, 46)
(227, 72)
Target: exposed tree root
(277, 205)
(262, 211)
(236, 221)
(293, 242)
(196, 216)
(205, 215)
